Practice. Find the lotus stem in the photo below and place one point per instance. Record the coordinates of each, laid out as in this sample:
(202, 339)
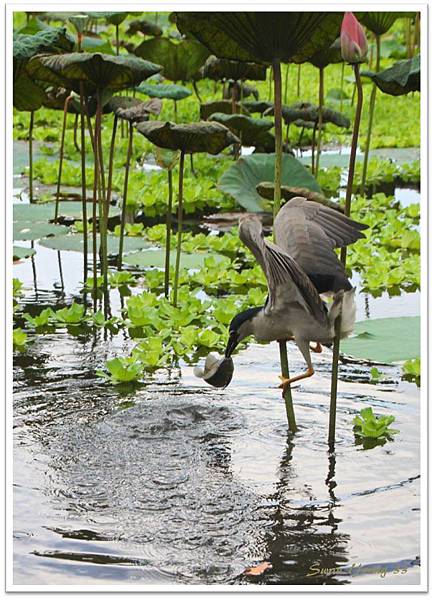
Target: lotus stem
(101, 201)
(371, 116)
(110, 166)
(193, 172)
(277, 76)
(76, 146)
(234, 98)
(175, 109)
(178, 246)
(313, 148)
(117, 39)
(31, 124)
(270, 79)
(320, 117)
(125, 195)
(196, 91)
(298, 80)
(342, 86)
(168, 232)
(94, 201)
(83, 181)
(59, 263)
(348, 195)
(62, 146)
(286, 84)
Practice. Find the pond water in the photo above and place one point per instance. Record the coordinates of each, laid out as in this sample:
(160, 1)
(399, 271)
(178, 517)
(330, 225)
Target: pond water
(176, 482)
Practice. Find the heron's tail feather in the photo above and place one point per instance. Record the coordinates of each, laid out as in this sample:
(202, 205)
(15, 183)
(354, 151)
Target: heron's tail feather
(344, 304)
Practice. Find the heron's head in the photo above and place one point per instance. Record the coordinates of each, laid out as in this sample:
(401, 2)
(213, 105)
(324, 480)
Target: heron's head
(241, 327)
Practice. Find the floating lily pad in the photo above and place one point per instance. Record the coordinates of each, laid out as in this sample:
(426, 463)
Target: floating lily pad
(19, 252)
(385, 340)
(45, 212)
(73, 242)
(156, 258)
(241, 179)
(28, 230)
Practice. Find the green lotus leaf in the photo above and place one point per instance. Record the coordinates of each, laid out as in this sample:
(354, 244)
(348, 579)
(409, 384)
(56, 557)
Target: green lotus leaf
(29, 230)
(114, 18)
(94, 44)
(19, 252)
(27, 94)
(169, 91)
(387, 340)
(329, 56)
(45, 212)
(156, 258)
(266, 190)
(307, 112)
(378, 22)
(74, 242)
(34, 25)
(402, 78)
(145, 27)
(220, 106)
(133, 109)
(256, 106)
(50, 39)
(180, 60)
(95, 70)
(166, 159)
(262, 36)
(241, 179)
(203, 136)
(247, 128)
(222, 68)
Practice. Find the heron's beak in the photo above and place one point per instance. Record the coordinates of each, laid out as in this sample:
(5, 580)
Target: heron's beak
(232, 343)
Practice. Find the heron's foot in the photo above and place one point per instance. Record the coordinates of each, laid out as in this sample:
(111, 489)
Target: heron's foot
(258, 570)
(317, 348)
(287, 382)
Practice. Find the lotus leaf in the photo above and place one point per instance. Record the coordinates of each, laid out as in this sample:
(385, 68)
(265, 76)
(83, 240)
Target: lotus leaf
(19, 252)
(94, 44)
(385, 340)
(324, 57)
(266, 190)
(145, 27)
(73, 242)
(188, 137)
(221, 68)
(262, 36)
(171, 92)
(156, 258)
(310, 113)
(220, 106)
(257, 106)
(96, 71)
(403, 77)
(378, 22)
(133, 109)
(28, 230)
(45, 212)
(241, 179)
(180, 60)
(247, 128)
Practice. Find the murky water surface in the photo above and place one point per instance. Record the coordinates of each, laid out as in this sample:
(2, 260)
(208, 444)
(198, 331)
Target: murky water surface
(175, 482)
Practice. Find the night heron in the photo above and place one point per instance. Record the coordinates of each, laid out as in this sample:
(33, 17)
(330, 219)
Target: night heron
(299, 267)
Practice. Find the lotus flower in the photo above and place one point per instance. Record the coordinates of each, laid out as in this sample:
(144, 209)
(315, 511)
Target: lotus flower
(354, 45)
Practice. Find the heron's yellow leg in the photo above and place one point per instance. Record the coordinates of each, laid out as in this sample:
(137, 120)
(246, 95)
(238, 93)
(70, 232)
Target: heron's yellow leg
(287, 382)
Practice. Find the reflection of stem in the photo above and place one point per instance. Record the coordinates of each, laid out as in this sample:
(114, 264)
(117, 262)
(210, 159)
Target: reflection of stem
(320, 116)
(349, 190)
(371, 116)
(83, 181)
(31, 123)
(125, 194)
(277, 76)
(62, 146)
(178, 246)
(168, 232)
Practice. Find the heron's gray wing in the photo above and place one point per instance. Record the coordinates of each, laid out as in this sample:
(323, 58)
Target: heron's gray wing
(287, 283)
(309, 232)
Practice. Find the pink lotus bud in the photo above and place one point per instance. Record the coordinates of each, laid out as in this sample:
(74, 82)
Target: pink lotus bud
(354, 45)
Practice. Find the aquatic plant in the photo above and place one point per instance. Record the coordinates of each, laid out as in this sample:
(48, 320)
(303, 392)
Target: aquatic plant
(367, 425)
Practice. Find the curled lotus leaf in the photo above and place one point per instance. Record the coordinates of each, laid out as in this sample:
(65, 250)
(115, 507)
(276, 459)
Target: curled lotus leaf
(379, 21)
(266, 190)
(133, 109)
(145, 27)
(402, 78)
(328, 56)
(257, 106)
(310, 113)
(95, 71)
(223, 68)
(262, 36)
(247, 128)
(203, 136)
(180, 60)
(220, 106)
(161, 90)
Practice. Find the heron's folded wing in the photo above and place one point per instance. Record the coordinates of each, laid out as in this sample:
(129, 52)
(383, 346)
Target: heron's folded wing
(286, 281)
(309, 232)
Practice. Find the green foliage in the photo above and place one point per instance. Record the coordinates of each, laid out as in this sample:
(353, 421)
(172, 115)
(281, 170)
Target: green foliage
(367, 425)
(411, 371)
(73, 315)
(123, 370)
(19, 339)
(17, 287)
(44, 318)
